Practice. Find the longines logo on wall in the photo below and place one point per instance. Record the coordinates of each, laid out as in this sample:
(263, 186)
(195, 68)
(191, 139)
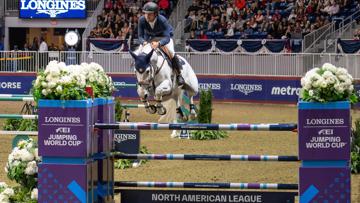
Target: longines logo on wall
(212, 86)
(52, 7)
(246, 88)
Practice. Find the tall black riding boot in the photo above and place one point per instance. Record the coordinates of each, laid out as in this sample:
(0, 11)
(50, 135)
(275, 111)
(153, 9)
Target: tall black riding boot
(177, 67)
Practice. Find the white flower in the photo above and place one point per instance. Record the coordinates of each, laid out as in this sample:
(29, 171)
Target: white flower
(9, 192)
(311, 92)
(351, 88)
(30, 145)
(341, 71)
(37, 81)
(34, 194)
(3, 185)
(331, 80)
(15, 163)
(327, 74)
(51, 84)
(44, 92)
(26, 155)
(329, 67)
(4, 198)
(54, 71)
(44, 84)
(31, 168)
(65, 80)
(59, 89)
(323, 84)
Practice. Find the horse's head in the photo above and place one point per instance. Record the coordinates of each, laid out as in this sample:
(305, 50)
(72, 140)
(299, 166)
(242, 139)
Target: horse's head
(144, 65)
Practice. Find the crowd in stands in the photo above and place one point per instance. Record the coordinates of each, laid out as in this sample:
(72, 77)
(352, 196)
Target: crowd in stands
(357, 34)
(262, 19)
(119, 18)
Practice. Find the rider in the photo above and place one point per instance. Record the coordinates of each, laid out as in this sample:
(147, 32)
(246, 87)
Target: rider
(155, 28)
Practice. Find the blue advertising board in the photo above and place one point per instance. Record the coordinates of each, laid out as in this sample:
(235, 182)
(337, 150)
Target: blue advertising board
(226, 88)
(16, 83)
(235, 88)
(52, 9)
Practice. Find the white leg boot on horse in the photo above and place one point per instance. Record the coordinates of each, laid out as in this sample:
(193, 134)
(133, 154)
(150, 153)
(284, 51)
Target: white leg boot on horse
(143, 94)
(193, 114)
(162, 90)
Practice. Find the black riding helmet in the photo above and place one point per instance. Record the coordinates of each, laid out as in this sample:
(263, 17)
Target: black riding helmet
(150, 7)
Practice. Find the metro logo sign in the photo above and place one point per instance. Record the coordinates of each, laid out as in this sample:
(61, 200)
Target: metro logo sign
(52, 9)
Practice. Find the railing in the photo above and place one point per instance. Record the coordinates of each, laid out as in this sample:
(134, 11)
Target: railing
(2, 9)
(13, 5)
(345, 30)
(92, 24)
(311, 39)
(178, 14)
(203, 63)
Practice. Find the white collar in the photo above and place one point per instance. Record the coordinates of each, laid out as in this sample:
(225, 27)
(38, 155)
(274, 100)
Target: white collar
(152, 24)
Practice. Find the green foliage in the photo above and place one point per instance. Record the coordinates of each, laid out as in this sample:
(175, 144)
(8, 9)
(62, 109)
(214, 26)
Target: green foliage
(21, 125)
(208, 134)
(205, 106)
(205, 116)
(126, 163)
(70, 91)
(17, 174)
(118, 110)
(355, 148)
(22, 195)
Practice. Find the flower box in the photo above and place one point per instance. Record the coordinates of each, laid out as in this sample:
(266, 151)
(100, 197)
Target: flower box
(65, 128)
(324, 149)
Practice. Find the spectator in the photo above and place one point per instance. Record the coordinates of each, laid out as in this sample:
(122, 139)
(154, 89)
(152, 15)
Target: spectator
(26, 47)
(192, 35)
(259, 18)
(357, 34)
(230, 29)
(108, 5)
(35, 44)
(203, 35)
(43, 46)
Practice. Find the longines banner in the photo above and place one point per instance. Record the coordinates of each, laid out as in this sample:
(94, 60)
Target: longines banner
(52, 9)
(225, 88)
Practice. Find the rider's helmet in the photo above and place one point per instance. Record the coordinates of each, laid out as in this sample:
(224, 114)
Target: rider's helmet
(150, 7)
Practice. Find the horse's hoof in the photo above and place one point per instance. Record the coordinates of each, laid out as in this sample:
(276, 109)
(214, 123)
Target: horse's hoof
(151, 109)
(161, 110)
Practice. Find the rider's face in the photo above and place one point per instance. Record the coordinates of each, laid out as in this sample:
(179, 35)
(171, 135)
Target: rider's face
(150, 17)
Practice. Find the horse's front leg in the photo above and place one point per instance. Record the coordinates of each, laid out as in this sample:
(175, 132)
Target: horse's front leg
(143, 94)
(163, 89)
(193, 114)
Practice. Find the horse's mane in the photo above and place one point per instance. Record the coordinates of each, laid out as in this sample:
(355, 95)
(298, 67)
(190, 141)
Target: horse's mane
(143, 49)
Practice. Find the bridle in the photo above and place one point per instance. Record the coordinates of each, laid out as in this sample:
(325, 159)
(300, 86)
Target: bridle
(154, 70)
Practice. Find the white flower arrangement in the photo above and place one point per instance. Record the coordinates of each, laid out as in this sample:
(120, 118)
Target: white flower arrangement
(327, 84)
(59, 81)
(22, 164)
(34, 194)
(5, 193)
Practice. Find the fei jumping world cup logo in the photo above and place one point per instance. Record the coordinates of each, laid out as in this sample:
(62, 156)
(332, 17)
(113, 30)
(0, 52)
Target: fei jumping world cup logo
(52, 8)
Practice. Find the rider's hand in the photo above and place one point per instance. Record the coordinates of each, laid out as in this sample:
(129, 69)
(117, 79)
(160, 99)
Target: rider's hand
(155, 45)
